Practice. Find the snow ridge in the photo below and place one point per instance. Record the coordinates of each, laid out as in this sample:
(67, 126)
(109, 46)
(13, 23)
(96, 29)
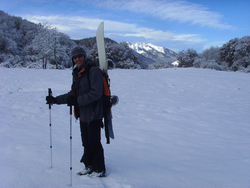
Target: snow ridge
(142, 48)
(161, 55)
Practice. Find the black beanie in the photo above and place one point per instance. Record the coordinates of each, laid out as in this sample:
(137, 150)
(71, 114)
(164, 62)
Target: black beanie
(78, 50)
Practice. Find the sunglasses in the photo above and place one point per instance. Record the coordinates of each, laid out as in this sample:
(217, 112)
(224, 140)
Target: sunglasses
(78, 56)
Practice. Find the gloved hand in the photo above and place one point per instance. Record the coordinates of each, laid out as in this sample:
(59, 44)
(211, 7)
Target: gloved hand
(51, 100)
(72, 101)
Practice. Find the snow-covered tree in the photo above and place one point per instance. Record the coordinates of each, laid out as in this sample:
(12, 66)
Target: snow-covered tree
(227, 51)
(210, 59)
(211, 53)
(242, 54)
(236, 53)
(24, 43)
(50, 46)
(186, 58)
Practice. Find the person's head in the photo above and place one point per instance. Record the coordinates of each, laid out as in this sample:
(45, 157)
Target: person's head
(78, 56)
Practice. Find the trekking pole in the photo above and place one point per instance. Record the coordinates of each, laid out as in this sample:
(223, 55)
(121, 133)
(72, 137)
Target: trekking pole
(70, 145)
(50, 93)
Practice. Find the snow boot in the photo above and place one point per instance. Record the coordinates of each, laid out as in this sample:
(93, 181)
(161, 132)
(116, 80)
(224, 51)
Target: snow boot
(85, 171)
(97, 174)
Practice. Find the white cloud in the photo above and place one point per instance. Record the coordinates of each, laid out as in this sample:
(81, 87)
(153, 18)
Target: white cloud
(79, 25)
(181, 11)
(64, 23)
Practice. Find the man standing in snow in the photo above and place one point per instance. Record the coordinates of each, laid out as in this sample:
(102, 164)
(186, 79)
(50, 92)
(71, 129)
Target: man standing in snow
(86, 97)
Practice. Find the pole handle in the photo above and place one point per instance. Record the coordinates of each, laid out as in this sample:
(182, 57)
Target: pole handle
(50, 94)
(70, 110)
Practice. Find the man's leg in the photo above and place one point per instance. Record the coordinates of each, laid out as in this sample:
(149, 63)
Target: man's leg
(87, 157)
(94, 140)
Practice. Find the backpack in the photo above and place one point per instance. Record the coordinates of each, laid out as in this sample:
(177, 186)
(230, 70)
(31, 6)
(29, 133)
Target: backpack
(107, 104)
(106, 91)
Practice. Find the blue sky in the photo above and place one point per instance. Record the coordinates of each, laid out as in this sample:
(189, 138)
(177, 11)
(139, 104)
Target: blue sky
(177, 25)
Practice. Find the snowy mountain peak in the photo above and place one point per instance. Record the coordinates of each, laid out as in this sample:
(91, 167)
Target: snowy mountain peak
(157, 48)
(142, 47)
(156, 53)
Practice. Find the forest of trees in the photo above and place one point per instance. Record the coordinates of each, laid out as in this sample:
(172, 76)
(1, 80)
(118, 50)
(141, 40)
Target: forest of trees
(25, 44)
(233, 56)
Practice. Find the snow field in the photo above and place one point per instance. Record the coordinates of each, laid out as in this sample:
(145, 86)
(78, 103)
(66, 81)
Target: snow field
(173, 128)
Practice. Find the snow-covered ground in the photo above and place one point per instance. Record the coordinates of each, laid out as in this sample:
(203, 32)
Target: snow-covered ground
(173, 128)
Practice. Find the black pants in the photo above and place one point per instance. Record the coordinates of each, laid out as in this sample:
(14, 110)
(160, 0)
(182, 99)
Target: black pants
(91, 140)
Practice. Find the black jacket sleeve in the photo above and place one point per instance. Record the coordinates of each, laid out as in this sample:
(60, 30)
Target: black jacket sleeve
(62, 99)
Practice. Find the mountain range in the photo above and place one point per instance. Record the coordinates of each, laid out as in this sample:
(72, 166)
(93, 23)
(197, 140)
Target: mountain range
(160, 55)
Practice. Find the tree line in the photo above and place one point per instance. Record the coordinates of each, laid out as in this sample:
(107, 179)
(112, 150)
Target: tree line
(25, 44)
(233, 56)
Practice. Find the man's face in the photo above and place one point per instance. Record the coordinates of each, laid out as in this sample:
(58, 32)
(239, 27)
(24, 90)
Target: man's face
(78, 60)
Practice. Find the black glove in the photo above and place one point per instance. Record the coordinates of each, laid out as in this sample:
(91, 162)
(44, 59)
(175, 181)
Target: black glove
(72, 101)
(51, 100)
